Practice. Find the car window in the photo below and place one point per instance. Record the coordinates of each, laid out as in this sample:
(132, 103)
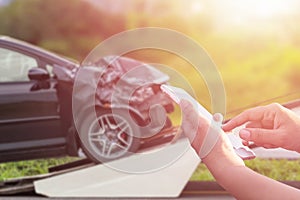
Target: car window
(14, 66)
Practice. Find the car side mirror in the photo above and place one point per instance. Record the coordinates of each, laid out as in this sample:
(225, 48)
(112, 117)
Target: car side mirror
(38, 74)
(41, 76)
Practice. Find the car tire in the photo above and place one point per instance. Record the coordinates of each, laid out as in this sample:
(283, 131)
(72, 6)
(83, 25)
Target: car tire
(108, 137)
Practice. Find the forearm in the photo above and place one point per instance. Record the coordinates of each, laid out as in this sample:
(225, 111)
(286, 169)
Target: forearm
(243, 183)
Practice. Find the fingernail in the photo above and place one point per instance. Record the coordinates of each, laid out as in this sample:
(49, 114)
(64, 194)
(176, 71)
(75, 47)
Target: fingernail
(245, 134)
(218, 117)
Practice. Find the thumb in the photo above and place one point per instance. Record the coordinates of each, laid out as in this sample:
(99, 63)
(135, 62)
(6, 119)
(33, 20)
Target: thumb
(190, 120)
(259, 135)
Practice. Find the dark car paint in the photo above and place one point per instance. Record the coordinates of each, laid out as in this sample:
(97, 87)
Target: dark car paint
(36, 118)
(24, 113)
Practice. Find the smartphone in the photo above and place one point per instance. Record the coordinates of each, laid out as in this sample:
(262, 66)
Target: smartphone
(176, 94)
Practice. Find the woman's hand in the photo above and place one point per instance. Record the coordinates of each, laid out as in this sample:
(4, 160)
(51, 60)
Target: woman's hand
(195, 127)
(268, 126)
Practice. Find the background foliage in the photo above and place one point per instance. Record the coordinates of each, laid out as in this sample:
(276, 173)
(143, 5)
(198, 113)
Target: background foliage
(259, 59)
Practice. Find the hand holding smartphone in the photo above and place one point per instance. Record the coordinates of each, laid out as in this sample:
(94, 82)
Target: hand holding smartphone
(177, 94)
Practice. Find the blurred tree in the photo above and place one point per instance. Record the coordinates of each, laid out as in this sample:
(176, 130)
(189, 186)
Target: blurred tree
(258, 60)
(69, 27)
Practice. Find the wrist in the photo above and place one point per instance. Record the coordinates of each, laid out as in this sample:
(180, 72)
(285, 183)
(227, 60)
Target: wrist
(222, 158)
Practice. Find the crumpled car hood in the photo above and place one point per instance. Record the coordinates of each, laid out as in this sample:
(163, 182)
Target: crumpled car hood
(120, 76)
(119, 81)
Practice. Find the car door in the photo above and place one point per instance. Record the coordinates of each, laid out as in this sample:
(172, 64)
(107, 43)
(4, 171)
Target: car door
(29, 119)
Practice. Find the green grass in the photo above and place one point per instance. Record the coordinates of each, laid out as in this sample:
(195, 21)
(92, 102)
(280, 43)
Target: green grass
(284, 170)
(31, 167)
(276, 169)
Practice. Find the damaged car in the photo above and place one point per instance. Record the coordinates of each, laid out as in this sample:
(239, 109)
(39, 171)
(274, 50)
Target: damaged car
(37, 119)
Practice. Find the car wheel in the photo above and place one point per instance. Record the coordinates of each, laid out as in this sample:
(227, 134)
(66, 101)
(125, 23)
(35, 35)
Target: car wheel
(108, 137)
